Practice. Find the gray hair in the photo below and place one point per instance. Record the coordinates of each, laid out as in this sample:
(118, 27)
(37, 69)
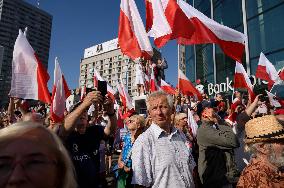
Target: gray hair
(64, 162)
(253, 149)
(159, 94)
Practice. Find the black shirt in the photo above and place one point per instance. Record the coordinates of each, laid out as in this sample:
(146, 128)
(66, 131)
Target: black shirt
(84, 151)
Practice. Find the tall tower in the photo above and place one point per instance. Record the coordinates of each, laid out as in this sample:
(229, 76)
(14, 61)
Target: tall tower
(15, 15)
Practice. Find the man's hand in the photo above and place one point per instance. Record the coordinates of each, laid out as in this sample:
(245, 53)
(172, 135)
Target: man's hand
(93, 97)
(108, 105)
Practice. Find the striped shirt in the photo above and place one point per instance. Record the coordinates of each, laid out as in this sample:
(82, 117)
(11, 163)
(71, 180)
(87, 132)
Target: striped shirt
(161, 160)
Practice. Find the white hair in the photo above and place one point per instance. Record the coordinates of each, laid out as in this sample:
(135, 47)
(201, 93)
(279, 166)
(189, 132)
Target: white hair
(159, 94)
(65, 164)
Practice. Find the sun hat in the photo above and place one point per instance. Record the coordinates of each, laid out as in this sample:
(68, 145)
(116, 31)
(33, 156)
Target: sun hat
(263, 129)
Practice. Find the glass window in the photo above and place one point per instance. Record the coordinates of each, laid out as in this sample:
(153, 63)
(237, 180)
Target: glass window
(256, 7)
(264, 32)
(204, 62)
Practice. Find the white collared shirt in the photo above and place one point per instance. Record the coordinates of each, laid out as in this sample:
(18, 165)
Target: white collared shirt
(162, 160)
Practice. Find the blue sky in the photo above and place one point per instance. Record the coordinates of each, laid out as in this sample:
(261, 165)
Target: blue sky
(81, 24)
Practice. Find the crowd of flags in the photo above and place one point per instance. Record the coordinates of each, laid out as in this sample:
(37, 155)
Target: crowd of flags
(165, 20)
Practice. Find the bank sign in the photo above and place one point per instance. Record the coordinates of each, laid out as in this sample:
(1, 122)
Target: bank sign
(224, 86)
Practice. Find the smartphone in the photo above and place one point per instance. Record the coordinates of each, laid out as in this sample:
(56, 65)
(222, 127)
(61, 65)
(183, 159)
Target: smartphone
(102, 87)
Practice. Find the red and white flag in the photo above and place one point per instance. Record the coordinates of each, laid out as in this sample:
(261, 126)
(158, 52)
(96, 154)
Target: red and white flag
(241, 80)
(29, 77)
(273, 100)
(60, 93)
(166, 21)
(126, 99)
(186, 87)
(281, 74)
(153, 84)
(189, 26)
(167, 88)
(266, 71)
(132, 37)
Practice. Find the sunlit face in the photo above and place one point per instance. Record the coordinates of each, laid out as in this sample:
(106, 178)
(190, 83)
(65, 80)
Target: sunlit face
(160, 111)
(133, 124)
(82, 123)
(182, 123)
(28, 163)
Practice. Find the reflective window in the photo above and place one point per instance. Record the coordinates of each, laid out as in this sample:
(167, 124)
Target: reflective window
(265, 32)
(190, 62)
(256, 7)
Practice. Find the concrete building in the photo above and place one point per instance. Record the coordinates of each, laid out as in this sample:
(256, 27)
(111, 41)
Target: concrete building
(261, 21)
(15, 15)
(110, 63)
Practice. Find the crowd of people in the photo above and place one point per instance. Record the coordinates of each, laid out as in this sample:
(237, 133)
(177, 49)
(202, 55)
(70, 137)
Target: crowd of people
(180, 143)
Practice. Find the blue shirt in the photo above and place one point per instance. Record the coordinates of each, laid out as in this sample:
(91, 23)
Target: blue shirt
(127, 147)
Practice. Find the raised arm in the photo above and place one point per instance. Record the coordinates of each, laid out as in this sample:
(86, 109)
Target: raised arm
(71, 119)
(112, 123)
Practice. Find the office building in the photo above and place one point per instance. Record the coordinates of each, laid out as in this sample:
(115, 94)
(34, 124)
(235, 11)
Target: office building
(15, 15)
(260, 20)
(111, 64)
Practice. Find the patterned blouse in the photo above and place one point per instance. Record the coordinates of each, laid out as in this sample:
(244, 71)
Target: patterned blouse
(258, 174)
(127, 146)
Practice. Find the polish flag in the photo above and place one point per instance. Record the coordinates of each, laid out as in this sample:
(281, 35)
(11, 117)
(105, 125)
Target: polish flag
(83, 92)
(60, 93)
(146, 82)
(193, 27)
(281, 74)
(126, 99)
(167, 88)
(29, 77)
(167, 21)
(153, 85)
(242, 80)
(266, 71)
(110, 91)
(186, 87)
(231, 119)
(273, 100)
(132, 37)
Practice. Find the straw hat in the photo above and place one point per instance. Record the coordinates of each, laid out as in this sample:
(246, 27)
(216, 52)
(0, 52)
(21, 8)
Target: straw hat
(263, 129)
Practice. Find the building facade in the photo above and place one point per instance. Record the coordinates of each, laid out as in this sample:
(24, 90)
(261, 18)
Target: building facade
(110, 63)
(15, 15)
(260, 20)
(107, 59)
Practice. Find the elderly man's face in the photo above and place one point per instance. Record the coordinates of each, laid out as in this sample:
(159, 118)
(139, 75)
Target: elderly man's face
(277, 154)
(82, 123)
(160, 111)
(28, 162)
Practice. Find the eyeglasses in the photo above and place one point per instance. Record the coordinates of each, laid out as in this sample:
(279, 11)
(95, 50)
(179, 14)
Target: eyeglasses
(34, 166)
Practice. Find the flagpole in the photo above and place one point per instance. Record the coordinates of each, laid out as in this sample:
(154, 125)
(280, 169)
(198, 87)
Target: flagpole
(178, 65)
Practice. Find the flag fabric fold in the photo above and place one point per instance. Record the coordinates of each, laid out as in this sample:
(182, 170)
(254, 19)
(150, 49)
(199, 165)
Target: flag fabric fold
(153, 85)
(176, 19)
(29, 76)
(192, 123)
(132, 37)
(241, 80)
(186, 87)
(266, 71)
(126, 99)
(60, 93)
(167, 88)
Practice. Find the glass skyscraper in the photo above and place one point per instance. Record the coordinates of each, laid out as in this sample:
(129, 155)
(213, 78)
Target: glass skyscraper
(261, 20)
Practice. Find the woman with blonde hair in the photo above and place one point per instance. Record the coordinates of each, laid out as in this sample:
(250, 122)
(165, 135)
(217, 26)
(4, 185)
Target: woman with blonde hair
(136, 124)
(33, 156)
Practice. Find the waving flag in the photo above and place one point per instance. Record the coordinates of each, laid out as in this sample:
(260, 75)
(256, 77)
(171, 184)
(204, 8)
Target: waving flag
(29, 77)
(266, 71)
(186, 87)
(167, 88)
(242, 80)
(281, 74)
(60, 93)
(83, 92)
(189, 26)
(153, 84)
(132, 37)
(126, 99)
(167, 21)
